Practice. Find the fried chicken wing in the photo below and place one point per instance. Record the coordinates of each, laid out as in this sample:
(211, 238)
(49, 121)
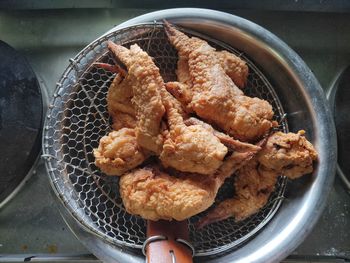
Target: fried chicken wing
(234, 67)
(119, 103)
(253, 186)
(123, 120)
(119, 97)
(181, 92)
(255, 182)
(290, 154)
(146, 82)
(213, 91)
(190, 148)
(244, 118)
(118, 152)
(225, 139)
(153, 118)
(154, 194)
(183, 71)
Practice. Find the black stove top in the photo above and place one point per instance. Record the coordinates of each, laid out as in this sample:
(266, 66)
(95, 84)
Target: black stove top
(21, 112)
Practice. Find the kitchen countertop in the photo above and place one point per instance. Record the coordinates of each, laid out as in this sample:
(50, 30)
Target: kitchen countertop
(30, 224)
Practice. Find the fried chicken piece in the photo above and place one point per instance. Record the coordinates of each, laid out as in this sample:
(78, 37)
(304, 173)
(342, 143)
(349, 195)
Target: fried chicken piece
(119, 103)
(225, 139)
(181, 92)
(234, 67)
(119, 97)
(190, 148)
(183, 71)
(245, 118)
(213, 92)
(253, 186)
(118, 152)
(154, 194)
(288, 154)
(123, 120)
(146, 82)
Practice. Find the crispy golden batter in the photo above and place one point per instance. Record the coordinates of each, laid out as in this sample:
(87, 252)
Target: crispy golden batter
(234, 67)
(213, 91)
(123, 120)
(253, 187)
(244, 118)
(146, 83)
(183, 72)
(119, 97)
(118, 152)
(119, 103)
(181, 92)
(255, 182)
(154, 194)
(190, 149)
(225, 139)
(290, 154)
(186, 149)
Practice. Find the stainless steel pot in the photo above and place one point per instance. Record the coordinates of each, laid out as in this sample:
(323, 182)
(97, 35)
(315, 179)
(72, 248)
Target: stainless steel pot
(305, 104)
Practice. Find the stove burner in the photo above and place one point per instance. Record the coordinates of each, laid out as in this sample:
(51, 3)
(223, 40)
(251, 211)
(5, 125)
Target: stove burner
(20, 119)
(339, 98)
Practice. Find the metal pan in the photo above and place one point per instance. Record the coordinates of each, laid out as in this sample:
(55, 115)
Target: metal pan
(295, 86)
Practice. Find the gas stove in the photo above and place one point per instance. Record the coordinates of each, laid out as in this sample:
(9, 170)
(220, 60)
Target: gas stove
(31, 226)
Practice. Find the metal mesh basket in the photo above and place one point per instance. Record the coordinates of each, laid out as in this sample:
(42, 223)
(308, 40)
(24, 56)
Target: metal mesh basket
(77, 118)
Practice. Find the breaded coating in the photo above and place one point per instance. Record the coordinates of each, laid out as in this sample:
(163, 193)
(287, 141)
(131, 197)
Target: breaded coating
(183, 71)
(289, 154)
(234, 66)
(213, 91)
(118, 152)
(119, 97)
(181, 92)
(123, 120)
(253, 187)
(255, 182)
(225, 139)
(242, 117)
(146, 83)
(154, 194)
(119, 103)
(190, 148)
(200, 129)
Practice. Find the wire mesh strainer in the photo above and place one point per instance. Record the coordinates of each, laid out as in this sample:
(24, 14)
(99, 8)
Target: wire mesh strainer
(78, 118)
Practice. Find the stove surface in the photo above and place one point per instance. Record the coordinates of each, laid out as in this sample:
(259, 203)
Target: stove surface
(31, 226)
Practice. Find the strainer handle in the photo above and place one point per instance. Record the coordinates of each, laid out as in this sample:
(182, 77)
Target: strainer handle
(167, 242)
